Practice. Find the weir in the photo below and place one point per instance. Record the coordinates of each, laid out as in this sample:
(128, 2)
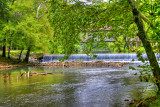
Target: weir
(100, 57)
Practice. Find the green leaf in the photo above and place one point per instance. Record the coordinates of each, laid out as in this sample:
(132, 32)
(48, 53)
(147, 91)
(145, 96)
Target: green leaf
(133, 59)
(131, 67)
(95, 56)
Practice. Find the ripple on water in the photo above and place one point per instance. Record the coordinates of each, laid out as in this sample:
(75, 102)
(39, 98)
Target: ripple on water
(74, 87)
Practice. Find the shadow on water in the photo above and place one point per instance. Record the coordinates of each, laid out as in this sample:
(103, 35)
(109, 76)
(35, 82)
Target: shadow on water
(71, 87)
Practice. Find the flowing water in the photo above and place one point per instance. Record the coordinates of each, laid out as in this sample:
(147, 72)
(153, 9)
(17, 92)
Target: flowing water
(100, 57)
(71, 87)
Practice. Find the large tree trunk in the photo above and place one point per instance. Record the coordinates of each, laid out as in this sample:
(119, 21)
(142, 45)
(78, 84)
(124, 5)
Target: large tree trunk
(4, 51)
(27, 55)
(9, 50)
(4, 48)
(143, 36)
(21, 53)
(119, 48)
(10, 44)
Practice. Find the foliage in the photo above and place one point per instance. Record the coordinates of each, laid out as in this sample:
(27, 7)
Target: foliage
(22, 29)
(72, 21)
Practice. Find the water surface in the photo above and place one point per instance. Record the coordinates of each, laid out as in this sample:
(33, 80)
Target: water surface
(71, 87)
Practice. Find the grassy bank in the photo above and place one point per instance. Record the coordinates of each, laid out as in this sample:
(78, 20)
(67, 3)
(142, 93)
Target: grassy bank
(146, 102)
(6, 61)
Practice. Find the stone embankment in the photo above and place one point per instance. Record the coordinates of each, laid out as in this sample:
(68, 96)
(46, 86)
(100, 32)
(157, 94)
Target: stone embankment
(68, 64)
(84, 64)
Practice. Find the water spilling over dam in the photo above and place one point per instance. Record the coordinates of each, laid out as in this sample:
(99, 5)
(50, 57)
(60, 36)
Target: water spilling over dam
(100, 57)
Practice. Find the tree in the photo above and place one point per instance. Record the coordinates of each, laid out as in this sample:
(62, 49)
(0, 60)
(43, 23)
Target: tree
(70, 19)
(35, 33)
(23, 29)
(4, 17)
(143, 36)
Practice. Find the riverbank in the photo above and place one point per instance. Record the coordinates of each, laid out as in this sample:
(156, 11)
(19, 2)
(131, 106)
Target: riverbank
(6, 63)
(146, 102)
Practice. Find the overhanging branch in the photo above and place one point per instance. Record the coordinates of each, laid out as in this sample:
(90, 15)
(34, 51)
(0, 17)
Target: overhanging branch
(39, 8)
(148, 22)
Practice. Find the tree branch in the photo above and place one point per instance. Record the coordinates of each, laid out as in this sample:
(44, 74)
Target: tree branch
(39, 8)
(148, 29)
(13, 2)
(146, 43)
(148, 22)
(40, 16)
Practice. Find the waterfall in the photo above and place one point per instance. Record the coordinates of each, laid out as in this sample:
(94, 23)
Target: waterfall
(100, 57)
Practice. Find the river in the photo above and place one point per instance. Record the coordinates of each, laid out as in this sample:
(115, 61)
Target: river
(71, 87)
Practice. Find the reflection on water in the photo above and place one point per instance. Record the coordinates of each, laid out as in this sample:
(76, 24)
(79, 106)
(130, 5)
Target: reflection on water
(70, 87)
